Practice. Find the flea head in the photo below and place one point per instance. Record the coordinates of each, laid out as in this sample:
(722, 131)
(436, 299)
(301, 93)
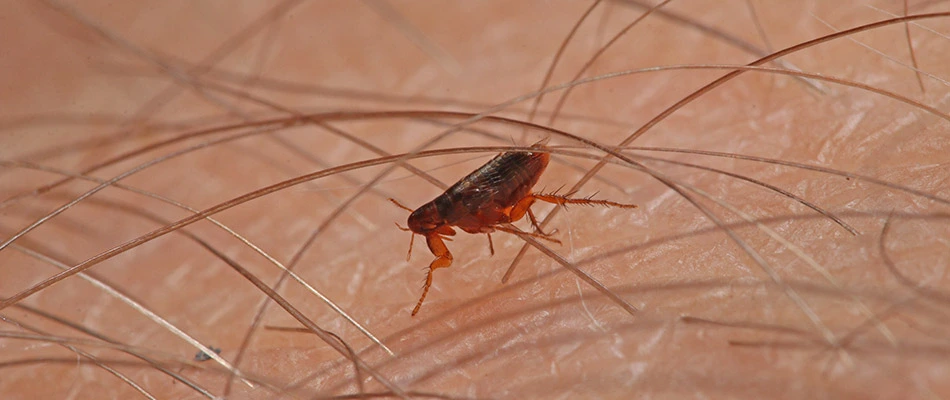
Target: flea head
(425, 219)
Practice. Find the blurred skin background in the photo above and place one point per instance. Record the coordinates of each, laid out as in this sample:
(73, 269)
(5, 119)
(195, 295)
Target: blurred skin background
(793, 305)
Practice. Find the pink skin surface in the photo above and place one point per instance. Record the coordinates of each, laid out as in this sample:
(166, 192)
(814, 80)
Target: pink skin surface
(83, 84)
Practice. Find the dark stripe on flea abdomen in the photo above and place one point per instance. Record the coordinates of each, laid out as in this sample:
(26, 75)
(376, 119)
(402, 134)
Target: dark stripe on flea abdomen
(503, 180)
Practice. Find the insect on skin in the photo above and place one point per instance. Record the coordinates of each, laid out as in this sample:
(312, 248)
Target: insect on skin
(496, 193)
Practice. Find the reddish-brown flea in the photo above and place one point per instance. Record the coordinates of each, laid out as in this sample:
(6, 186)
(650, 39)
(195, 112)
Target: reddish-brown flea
(495, 194)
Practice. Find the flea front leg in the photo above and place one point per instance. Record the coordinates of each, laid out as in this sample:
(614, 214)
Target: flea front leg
(443, 260)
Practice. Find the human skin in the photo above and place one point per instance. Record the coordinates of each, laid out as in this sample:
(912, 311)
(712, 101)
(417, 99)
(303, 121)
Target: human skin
(711, 322)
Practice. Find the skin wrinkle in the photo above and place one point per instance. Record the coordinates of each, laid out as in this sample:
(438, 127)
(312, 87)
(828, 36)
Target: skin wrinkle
(715, 325)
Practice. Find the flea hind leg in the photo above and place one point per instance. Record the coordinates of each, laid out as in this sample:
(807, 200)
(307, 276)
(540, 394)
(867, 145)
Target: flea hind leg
(443, 260)
(563, 200)
(536, 225)
(523, 207)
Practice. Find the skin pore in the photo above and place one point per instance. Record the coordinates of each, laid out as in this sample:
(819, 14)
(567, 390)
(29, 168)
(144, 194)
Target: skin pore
(774, 301)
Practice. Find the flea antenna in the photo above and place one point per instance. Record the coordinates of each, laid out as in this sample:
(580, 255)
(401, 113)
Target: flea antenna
(412, 236)
(398, 204)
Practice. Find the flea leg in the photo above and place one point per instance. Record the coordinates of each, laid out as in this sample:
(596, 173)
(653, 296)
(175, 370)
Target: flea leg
(534, 222)
(491, 247)
(412, 240)
(523, 207)
(520, 208)
(443, 260)
(587, 201)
